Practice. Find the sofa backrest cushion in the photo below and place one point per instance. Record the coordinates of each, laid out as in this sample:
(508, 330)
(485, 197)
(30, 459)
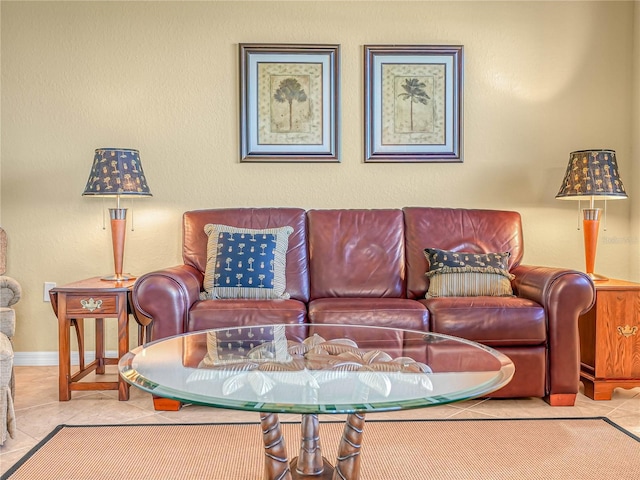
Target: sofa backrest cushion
(460, 230)
(194, 239)
(356, 253)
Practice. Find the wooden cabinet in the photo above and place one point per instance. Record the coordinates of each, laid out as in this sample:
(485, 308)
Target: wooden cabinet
(610, 340)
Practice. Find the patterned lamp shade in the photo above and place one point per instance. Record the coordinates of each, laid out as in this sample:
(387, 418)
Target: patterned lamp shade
(117, 171)
(592, 174)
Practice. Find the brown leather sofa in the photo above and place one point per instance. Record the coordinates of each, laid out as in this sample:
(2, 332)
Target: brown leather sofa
(368, 267)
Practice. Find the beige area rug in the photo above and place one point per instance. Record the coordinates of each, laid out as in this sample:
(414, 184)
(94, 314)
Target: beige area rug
(567, 449)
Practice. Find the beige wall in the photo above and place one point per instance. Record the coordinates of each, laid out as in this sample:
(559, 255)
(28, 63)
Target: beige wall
(541, 79)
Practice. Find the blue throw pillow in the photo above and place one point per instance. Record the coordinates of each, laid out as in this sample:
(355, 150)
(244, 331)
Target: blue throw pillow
(246, 263)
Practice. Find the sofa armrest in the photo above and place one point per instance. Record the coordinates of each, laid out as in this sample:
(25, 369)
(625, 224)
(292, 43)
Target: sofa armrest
(565, 295)
(165, 297)
(10, 291)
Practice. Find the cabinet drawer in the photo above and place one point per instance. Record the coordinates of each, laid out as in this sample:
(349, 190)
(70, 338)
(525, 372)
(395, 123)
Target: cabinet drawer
(89, 305)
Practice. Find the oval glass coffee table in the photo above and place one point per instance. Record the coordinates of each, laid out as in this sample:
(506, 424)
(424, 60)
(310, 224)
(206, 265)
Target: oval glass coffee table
(312, 370)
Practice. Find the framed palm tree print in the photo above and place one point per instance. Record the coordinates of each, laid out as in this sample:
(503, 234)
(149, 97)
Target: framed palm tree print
(289, 97)
(413, 103)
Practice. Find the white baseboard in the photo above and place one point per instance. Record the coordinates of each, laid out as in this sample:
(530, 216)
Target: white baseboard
(44, 359)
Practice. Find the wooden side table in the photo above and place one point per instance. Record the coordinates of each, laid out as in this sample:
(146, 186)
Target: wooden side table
(91, 298)
(610, 340)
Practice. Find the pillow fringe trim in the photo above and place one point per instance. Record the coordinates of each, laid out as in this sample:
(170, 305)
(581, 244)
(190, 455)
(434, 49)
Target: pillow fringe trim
(469, 269)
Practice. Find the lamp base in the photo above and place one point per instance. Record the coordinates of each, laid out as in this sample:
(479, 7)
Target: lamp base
(123, 277)
(591, 225)
(597, 278)
(118, 227)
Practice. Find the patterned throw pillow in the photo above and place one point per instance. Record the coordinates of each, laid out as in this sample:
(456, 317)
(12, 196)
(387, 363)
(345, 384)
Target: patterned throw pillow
(245, 263)
(465, 274)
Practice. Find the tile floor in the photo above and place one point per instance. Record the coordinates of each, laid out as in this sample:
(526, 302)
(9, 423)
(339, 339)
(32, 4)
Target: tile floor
(39, 411)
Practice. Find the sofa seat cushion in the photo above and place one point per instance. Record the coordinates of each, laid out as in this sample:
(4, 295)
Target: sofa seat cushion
(493, 321)
(378, 312)
(208, 314)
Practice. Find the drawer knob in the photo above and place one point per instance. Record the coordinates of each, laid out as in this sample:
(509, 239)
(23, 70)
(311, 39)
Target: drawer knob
(628, 330)
(91, 304)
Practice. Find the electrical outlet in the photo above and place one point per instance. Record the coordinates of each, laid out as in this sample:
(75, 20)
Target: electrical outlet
(48, 286)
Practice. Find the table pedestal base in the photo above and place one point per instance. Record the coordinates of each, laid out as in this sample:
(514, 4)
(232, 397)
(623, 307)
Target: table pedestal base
(310, 464)
(325, 474)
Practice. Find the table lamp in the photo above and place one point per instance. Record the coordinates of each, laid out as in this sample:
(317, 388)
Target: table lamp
(592, 175)
(117, 172)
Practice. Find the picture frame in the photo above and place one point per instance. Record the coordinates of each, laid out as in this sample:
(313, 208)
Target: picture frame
(289, 103)
(413, 103)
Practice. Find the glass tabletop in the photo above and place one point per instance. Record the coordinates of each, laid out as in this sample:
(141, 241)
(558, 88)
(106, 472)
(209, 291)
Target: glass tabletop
(316, 368)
